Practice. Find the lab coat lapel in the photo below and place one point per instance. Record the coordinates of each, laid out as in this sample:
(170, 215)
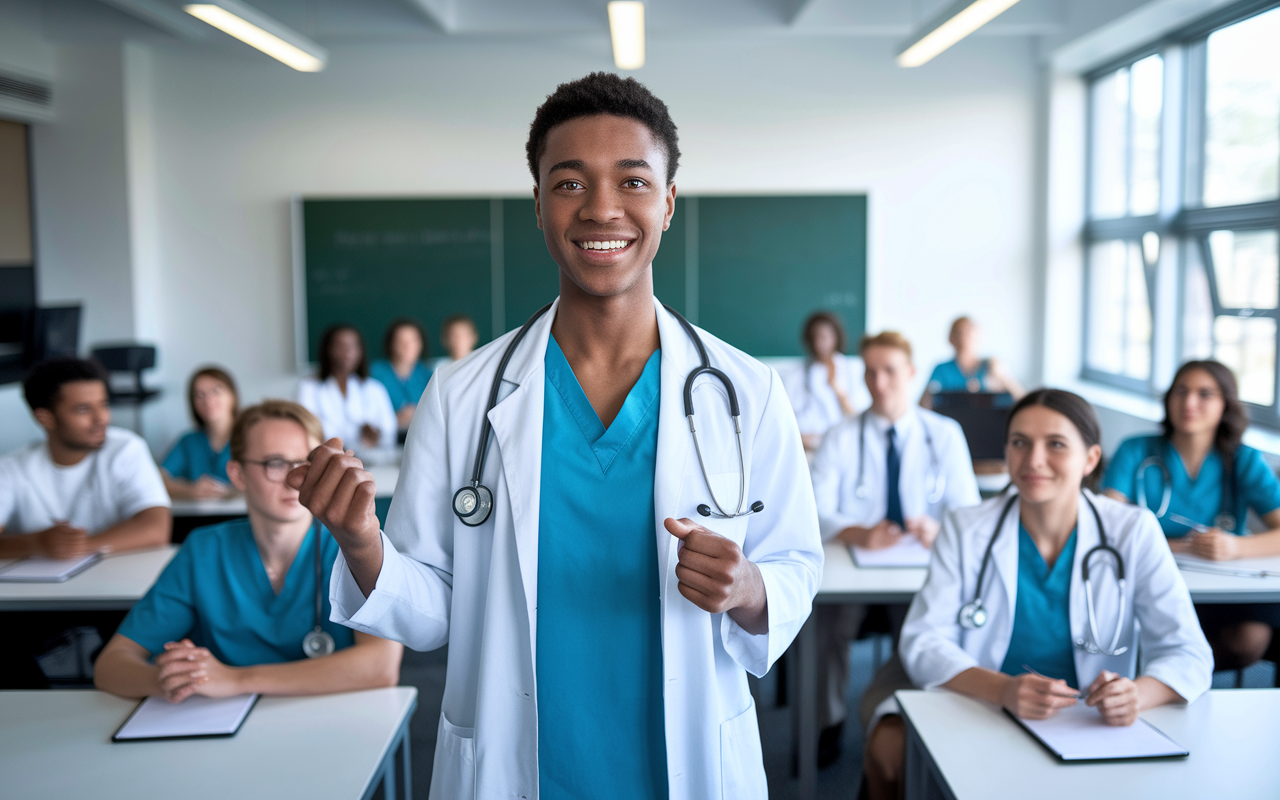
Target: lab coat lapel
(517, 432)
(679, 357)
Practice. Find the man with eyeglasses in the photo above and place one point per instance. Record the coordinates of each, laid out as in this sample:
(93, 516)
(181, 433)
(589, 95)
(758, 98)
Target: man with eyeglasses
(229, 614)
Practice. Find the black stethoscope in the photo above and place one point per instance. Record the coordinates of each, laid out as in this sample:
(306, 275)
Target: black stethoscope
(1226, 520)
(974, 615)
(318, 642)
(937, 481)
(474, 502)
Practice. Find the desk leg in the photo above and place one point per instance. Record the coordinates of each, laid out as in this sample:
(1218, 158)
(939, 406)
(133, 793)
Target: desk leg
(920, 778)
(406, 770)
(805, 703)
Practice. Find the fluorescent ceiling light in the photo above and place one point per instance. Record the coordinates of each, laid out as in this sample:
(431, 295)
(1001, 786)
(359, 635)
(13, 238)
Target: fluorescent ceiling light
(258, 30)
(952, 25)
(626, 28)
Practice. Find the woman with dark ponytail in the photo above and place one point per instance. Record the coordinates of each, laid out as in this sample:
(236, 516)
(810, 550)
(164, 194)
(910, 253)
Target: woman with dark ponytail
(1201, 482)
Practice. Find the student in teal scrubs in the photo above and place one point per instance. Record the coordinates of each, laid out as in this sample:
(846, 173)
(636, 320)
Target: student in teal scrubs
(969, 371)
(229, 614)
(196, 466)
(403, 371)
(1212, 482)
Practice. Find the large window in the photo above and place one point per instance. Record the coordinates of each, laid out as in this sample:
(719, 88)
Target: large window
(1182, 251)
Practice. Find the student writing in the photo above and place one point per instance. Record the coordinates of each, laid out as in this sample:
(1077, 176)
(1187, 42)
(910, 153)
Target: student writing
(229, 614)
(196, 466)
(1202, 481)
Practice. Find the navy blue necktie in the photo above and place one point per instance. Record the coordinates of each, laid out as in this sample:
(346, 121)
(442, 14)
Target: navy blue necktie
(893, 465)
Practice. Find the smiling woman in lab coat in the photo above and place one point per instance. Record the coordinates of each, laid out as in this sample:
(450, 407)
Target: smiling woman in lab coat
(1037, 651)
(599, 638)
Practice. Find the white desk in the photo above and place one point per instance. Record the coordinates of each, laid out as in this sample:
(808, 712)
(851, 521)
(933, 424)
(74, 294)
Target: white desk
(384, 477)
(960, 748)
(844, 582)
(113, 584)
(57, 745)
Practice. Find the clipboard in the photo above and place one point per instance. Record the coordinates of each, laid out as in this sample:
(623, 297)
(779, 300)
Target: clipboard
(38, 569)
(156, 719)
(1077, 735)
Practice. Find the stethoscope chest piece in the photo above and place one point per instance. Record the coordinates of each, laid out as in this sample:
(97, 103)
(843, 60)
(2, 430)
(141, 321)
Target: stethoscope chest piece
(973, 615)
(317, 643)
(473, 504)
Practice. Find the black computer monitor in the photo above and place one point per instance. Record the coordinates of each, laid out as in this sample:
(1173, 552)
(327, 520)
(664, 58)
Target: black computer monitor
(53, 332)
(983, 429)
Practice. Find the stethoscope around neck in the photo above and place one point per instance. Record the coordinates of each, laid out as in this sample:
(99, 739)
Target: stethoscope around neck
(1225, 520)
(318, 642)
(937, 481)
(473, 503)
(973, 614)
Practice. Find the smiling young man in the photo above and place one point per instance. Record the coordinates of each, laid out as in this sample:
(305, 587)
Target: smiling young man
(598, 636)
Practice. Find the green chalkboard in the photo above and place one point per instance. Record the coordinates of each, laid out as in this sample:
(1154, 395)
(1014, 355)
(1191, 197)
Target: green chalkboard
(748, 269)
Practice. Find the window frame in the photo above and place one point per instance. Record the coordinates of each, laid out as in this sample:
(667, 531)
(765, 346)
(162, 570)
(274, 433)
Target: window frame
(1182, 224)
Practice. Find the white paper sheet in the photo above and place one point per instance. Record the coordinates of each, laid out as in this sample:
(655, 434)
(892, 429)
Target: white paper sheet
(38, 569)
(906, 553)
(157, 718)
(1077, 733)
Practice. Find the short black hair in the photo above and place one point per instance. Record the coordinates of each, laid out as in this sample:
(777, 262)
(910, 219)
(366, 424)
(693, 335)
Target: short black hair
(325, 359)
(45, 380)
(603, 93)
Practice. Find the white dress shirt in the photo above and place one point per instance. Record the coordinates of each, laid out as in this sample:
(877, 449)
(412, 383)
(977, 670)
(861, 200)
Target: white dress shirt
(107, 487)
(365, 403)
(814, 401)
(934, 458)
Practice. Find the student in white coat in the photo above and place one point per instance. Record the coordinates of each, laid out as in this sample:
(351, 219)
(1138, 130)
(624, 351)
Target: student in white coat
(599, 638)
(827, 387)
(351, 405)
(887, 473)
(1025, 635)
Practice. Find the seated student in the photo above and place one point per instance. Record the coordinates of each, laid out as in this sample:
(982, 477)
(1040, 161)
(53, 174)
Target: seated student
(1180, 475)
(230, 613)
(828, 387)
(459, 335)
(402, 371)
(1023, 633)
(88, 487)
(969, 371)
(196, 467)
(351, 406)
(892, 471)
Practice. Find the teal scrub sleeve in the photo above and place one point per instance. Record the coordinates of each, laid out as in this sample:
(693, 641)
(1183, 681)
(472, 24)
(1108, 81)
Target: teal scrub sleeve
(177, 464)
(1123, 468)
(1258, 483)
(167, 613)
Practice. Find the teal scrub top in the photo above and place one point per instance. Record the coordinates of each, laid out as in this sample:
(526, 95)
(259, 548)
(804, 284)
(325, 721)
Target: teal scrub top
(601, 725)
(1201, 499)
(1042, 617)
(403, 392)
(948, 377)
(192, 456)
(216, 592)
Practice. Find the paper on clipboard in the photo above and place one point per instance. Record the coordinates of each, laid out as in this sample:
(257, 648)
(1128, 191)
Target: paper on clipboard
(195, 717)
(38, 569)
(1078, 733)
(908, 552)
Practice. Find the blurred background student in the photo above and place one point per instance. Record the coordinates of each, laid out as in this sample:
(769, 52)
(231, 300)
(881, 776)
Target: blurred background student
(402, 371)
(1201, 482)
(969, 371)
(829, 386)
(196, 466)
(351, 405)
(459, 336)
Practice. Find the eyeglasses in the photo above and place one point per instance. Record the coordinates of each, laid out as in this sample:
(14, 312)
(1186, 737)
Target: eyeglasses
(1204, 395)
(277, 468)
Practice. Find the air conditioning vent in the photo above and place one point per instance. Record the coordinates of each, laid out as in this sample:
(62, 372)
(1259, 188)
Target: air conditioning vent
(24, 89)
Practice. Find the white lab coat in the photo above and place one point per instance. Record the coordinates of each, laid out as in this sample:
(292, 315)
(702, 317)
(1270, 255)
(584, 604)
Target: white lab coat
(365, 403)
(814, 401)
(476, 588)
(835, 470)
(1159, 618)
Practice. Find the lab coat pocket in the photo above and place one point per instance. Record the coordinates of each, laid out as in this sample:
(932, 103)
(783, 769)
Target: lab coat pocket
(741, 762)
(453, 774)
